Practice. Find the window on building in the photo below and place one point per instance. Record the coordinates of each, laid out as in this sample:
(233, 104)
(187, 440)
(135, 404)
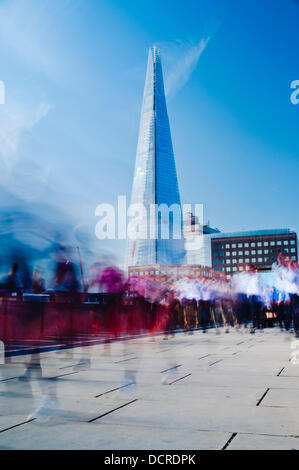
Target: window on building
(294, 258)
(253, 260)
(260, 260)
(246, 252)
(227, 253)
(259, 244)
(292, 242)
(285, 250)
(278, 242)
(234, 253)
(240, 253)
(253, 252)
(246, 260)
(234, 261)
(241, 260)
(240, 245)
(234, 269)
(272, 243)
(234, 245)
(266, 252)
(266, 243)
(252, 244)
(285, 242)
(246, 245)
(228, 261)
(227, 245)
(293, 250)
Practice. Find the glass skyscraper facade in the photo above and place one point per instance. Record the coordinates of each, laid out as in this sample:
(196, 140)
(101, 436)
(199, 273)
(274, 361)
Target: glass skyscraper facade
(155, 178)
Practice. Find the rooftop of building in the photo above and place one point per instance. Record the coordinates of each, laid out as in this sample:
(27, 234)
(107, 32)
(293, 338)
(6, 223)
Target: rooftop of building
(254, 233)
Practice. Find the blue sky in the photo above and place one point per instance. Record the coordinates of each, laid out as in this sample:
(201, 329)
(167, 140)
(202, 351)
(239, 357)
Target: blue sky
(74, 72)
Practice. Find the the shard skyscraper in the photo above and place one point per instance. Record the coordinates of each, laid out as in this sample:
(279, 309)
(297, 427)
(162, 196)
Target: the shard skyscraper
(155, 178)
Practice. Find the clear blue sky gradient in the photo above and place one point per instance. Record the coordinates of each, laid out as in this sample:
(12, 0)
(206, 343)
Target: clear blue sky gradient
(74, 73)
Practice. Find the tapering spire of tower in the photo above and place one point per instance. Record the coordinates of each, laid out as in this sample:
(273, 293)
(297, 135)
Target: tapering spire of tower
(155, 178)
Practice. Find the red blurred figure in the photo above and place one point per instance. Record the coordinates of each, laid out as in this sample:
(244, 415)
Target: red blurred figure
(12, 282)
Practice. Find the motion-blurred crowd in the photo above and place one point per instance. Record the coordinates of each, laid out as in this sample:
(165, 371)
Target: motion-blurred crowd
(109, 304)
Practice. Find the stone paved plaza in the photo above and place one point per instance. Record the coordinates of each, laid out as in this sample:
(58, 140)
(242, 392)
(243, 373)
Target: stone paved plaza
(200, 391)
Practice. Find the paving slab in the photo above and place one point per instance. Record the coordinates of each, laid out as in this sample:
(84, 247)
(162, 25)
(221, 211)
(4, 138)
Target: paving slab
(61, 435)
(193, 392)
(282, 398)
(260, 442)
(202, 416)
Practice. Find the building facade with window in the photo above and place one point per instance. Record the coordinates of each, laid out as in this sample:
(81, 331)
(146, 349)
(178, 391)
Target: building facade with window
(198, 241)
(235, 252)
(155, 178)
(174, 272)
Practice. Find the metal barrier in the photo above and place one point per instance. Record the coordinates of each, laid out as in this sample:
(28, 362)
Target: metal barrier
(37, 317)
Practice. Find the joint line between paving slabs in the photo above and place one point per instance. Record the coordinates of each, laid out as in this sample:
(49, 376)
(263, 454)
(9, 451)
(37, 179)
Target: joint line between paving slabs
(10, 378)
(215, 362)
(261, 399)
(280, 372)
(163, 350)
(63, 375)
(126, 360)
(229, 441)
(114, 389)
(17, 425)
(111, 411)
(181, 378)
(72, 365)
(207, 355)
(170, 368)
